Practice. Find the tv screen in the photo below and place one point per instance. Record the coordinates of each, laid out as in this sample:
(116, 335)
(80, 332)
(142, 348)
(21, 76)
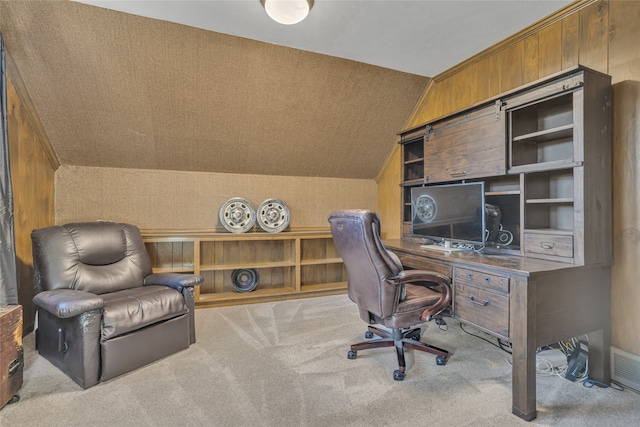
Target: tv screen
(453, 212)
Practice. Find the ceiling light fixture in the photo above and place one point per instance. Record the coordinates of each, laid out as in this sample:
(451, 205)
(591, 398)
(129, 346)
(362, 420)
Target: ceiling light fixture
(287, 12)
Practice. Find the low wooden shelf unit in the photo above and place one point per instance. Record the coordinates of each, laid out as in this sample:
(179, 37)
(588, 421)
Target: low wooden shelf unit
(289, 264)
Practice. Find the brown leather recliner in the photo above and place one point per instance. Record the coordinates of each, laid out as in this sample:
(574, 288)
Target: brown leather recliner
(101, 311)
(385, 293)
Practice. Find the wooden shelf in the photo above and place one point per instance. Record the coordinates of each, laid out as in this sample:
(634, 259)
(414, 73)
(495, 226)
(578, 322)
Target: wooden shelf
(158, 270)
(545, 166)
(222, 267)
(324, 287)
(320, 261)
(258, 293)
(291, 264)
(413, 161)
(502, 193)
(559, 200)
(559, 232)
(546, 135)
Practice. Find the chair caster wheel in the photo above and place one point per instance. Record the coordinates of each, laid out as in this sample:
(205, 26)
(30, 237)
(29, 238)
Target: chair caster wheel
(398, 376)
(368, 335)
(441, 360)
(352, 354)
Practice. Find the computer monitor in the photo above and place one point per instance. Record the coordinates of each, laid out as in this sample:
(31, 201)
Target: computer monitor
(449, 213)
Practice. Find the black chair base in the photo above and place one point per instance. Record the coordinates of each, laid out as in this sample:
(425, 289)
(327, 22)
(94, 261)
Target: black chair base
(401, 340)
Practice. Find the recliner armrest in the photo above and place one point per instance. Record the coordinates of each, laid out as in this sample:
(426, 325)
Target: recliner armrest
(176, 281)
(65, 303)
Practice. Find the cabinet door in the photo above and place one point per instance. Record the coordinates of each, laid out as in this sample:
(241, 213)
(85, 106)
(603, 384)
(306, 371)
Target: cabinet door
(466, 146)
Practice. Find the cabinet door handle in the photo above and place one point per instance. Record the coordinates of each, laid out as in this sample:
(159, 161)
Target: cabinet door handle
(458, 174)
(547, 245)
(473, 300)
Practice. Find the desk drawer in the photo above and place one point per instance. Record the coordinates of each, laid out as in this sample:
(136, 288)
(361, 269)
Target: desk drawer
(485, 309)
(482, 279)
(548, 244)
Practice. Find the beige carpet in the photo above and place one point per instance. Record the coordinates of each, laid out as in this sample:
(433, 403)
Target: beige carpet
(285, 364)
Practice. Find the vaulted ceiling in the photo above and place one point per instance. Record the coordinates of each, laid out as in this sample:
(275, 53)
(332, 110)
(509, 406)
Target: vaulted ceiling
(114, 89)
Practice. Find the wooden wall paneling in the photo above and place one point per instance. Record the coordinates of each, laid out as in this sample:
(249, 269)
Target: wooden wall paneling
(624, 35)
(482, 78)
(626, 217)
(594, 40)
(550, 42)
(570, 40)
(445, 97)
(494, 75)
(413, 118)
(32, 177)
(515, 76)
(624, 67)
(465, 87)
(531, 58)
(389, 197)
(509, 66)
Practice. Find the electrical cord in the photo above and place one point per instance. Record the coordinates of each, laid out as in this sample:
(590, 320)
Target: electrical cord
(499, 345)
(545, 367)
(588, 383)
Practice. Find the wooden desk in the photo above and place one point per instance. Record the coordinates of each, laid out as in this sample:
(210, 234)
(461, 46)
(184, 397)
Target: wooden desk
(529, 302)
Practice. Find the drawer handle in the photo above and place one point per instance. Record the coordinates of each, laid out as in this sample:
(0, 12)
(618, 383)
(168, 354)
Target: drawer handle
(547, 245)
(458, 174)
(473, 300)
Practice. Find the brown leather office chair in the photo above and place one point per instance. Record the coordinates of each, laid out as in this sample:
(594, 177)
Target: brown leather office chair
(385, 293)
(101, 310)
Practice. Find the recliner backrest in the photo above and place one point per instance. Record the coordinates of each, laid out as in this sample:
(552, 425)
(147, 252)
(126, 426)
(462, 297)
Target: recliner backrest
(356, 234)
(96, 257)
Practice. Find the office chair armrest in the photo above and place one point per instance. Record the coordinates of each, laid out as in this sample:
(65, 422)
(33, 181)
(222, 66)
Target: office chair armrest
(65, 303)
(418, 277)
(176, 281)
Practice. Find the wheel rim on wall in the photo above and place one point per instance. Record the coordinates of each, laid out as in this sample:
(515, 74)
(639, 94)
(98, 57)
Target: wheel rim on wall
(273, 215)
(237, 215)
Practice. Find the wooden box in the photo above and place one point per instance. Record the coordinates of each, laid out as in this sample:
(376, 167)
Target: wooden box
(11, 352)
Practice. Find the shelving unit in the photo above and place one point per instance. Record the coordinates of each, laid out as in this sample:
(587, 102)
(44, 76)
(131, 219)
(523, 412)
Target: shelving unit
(290, 264)
(543, 152)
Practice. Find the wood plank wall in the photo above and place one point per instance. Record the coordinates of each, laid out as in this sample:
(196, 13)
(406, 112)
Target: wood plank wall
(32, 176)
(603, 35)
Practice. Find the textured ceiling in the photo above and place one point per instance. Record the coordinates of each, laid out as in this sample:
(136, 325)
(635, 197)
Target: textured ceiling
(114, 89)
(424, 37)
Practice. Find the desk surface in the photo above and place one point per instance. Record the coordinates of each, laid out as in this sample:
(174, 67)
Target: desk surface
(507, 263)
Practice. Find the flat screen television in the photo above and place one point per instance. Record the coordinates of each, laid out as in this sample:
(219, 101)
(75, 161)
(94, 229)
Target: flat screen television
(449, 213)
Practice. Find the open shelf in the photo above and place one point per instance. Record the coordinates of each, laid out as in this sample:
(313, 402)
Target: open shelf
(566, 200)
(287, 265)
(222, 267)
(542, 132)
(546, 135)
(336, 286)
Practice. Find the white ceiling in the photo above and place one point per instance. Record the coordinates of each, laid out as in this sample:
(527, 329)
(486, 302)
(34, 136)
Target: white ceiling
(423, 37)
